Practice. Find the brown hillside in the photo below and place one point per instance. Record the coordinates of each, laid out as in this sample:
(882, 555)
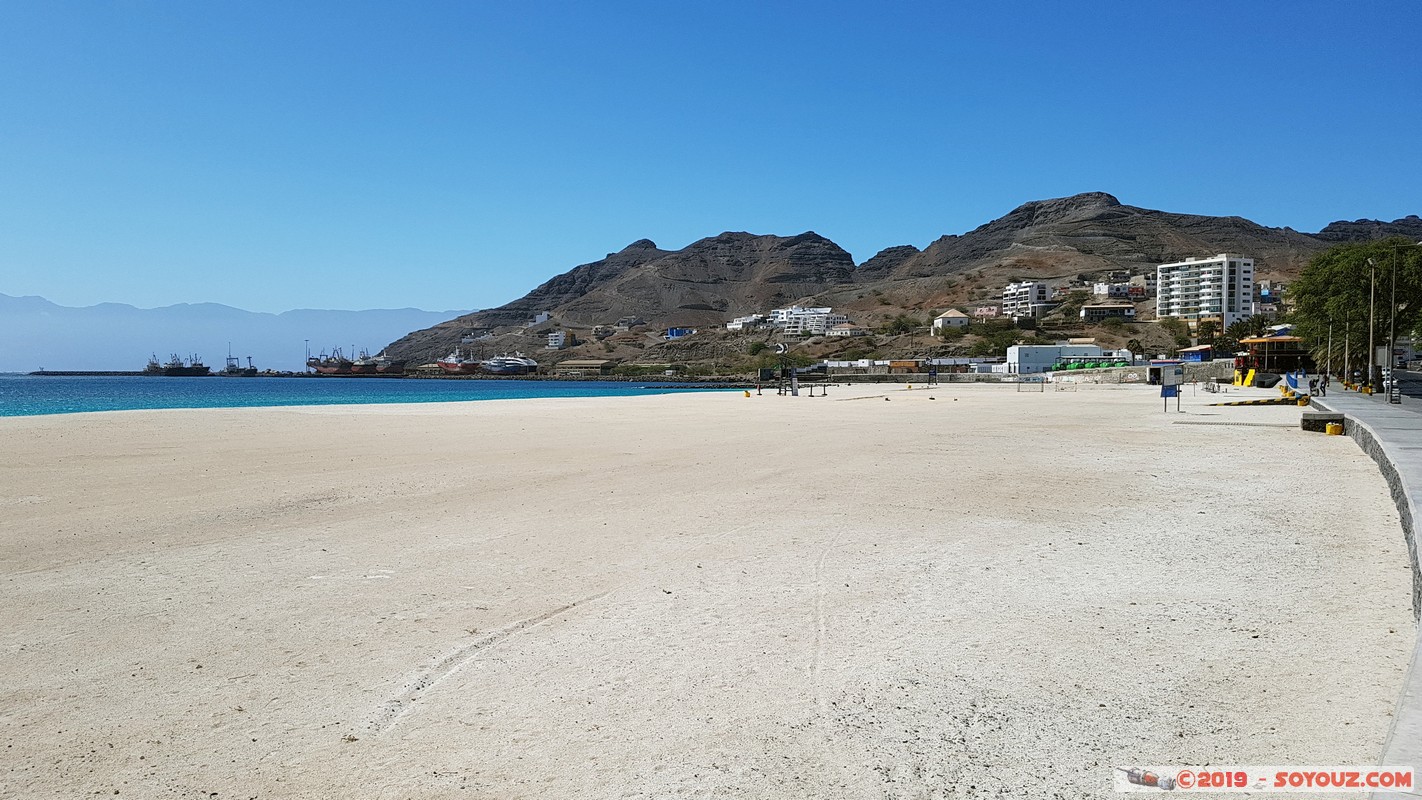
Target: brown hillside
(715, 279)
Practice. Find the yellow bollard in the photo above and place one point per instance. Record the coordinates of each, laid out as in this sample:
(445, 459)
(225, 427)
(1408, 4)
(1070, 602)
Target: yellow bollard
(1333, 429)
(748, 393)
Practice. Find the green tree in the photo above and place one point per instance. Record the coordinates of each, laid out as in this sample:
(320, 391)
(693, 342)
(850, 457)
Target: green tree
(1335, 286)
(1177, 329)
(903, 323)
(1071, 307)
(995, 343)
(1207, 330)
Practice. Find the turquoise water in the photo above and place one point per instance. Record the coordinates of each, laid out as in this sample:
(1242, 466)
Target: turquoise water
(30, 395)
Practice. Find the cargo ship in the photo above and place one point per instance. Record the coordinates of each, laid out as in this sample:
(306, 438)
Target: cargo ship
(334, 364)
(457, 363)
(234, 368)
(176, 367)
(376, 365)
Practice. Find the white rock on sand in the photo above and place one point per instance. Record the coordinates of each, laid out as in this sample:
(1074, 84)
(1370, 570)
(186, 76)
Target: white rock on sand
(985, 594)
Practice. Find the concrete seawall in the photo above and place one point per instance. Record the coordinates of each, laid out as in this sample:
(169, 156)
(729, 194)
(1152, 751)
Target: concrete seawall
(1220, 370)
(1392, 435)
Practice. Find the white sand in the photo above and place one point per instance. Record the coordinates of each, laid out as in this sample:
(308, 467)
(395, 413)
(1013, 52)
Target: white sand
(986, 594)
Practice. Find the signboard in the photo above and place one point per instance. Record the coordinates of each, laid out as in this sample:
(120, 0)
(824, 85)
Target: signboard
(1169, 390)
(1172, 376)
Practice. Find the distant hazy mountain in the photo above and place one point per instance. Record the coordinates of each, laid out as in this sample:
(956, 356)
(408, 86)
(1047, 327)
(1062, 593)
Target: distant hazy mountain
(35, 333)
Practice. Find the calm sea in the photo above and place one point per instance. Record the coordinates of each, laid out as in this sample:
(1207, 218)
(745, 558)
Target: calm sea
(29, 395)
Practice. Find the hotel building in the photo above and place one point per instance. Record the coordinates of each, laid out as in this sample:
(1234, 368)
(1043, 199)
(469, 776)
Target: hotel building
(1219, 288)
(1025, 299)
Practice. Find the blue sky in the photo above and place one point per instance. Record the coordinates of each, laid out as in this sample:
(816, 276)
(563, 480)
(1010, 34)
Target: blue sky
(454, 155)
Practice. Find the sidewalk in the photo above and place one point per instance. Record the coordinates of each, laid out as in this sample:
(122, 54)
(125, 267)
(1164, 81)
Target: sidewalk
(1392, 435)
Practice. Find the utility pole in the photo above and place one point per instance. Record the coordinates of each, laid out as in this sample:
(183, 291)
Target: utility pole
(1372, 350)
(1347, 346)
(1329, 369)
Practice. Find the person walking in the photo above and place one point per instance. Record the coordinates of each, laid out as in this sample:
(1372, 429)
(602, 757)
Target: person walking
(1323, 386)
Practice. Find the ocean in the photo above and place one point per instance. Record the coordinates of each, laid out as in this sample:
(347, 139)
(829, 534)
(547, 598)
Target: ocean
(31, 395)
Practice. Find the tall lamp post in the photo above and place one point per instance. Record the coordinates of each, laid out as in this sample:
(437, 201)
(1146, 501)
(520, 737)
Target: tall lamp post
(1372, 350)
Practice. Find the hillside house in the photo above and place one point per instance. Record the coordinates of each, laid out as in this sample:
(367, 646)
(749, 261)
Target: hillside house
(1101, 311)
(952, 318)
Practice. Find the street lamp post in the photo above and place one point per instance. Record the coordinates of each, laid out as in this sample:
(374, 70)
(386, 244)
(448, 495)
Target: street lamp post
(1372, 350)
(1329, 369)
(1347, 345)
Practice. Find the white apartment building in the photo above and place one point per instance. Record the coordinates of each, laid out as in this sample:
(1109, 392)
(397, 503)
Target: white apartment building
(806, 321)
(813, 322)
(1025, 299)
(748, 322)
(557, 340)
(781, 316)
(1219, 288)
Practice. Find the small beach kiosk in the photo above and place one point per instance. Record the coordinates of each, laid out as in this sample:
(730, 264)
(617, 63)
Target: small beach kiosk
(1274, 354)
(1198, 354)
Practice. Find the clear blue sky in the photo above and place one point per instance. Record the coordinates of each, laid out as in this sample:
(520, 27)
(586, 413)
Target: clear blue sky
(277, 155)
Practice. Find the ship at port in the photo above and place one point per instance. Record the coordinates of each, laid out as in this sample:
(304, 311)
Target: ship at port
(380, 364)
(516, 364)
(177, 367)
(457, 363)
(234, 368)
(334, 364)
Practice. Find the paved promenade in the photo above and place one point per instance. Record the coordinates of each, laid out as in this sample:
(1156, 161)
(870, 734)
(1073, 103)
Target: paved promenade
(1392, 435)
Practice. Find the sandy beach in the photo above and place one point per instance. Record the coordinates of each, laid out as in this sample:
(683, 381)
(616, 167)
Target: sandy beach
(964, 592)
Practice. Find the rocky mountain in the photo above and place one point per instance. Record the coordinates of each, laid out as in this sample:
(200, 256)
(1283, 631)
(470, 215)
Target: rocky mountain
(715, 279)
(705, 283)
(1365, 229)
(1093, 232)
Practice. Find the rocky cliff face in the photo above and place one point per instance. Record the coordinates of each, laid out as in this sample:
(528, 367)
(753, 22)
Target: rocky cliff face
(1094, 231)
(705, 283)
(1365, 229)
(717, 278)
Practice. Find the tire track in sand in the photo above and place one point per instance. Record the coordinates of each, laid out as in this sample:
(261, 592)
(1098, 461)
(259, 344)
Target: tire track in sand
(396, 708)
